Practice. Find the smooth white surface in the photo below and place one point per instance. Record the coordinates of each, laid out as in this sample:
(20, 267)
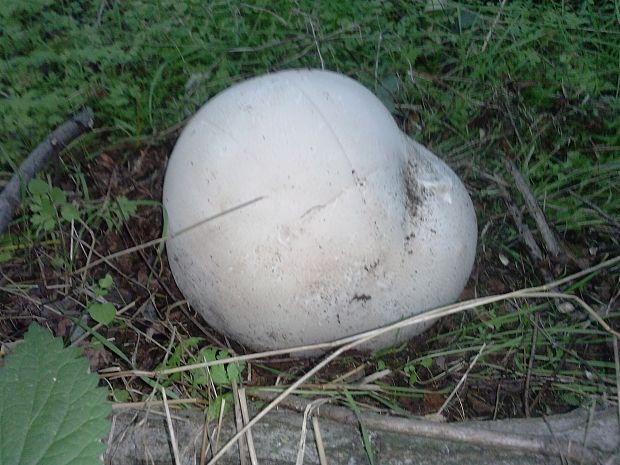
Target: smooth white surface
(359, 226)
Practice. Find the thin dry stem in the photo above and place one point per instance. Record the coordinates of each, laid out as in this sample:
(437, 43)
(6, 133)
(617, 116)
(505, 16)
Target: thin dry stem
(462, 380)
(493, 26)
(155, 403)
(524, 231)
(551, 242)
(617, 363)
(173, 439)
(204, 445)
(220, 418)
(243, 403)
(319, 440)
(161, 240)
(526, 390)
(243, 455)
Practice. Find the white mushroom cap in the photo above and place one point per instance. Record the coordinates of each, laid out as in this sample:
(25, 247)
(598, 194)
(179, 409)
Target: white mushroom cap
(358, 226)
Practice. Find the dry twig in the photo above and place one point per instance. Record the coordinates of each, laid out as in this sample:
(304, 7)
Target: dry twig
(462, 380)
(525, 233)
(493, 26)
(243, 450)
(50, 147)
(173, 440)
(617, 366)
(246, 418)
(551, 243)
(319, 440)
(526, 389)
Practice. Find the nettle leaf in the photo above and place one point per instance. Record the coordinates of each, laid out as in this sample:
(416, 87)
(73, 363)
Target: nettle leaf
(51, 410)
(103, 313)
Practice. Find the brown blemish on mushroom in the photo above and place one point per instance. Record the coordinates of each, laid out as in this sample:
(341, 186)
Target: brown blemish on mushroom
(413, 199)
(360, 298)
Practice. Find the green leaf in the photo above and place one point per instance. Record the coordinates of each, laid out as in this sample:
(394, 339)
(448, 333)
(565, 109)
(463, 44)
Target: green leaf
(103, 313)
(38, 187)
(57, 195)
(51, 410)
(5, 256)
(426, 362)
(36, 219)
(128, 207)
(571, 399)
(413, 374)
(106, 282)
(46, 208)
(58, 262)
(69, 212)
(234, 372)
(121, 395)
(220, 375)
(49, 224)
(218, 372)
(213, 411)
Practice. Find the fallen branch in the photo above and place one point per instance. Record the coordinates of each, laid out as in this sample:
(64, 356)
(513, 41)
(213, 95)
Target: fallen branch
(551, 243)
(548, 445)
(59, 138)
(525, 233)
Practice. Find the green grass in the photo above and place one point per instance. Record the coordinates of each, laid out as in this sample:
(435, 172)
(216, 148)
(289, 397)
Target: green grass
(535, 82)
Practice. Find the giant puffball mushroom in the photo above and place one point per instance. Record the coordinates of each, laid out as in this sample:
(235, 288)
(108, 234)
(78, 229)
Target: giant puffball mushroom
(356, 225)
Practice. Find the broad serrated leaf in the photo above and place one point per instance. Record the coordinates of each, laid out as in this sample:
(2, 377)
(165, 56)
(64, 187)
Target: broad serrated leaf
(51, 410)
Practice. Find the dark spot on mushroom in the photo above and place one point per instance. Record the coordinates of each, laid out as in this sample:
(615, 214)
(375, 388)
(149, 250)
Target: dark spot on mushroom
(412, 190)
(360, 298)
